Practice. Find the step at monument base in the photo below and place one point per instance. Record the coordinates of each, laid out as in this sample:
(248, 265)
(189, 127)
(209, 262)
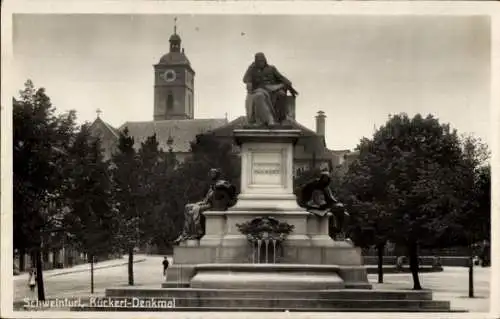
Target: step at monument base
(333, 300)
(250, 276)
(266, 276)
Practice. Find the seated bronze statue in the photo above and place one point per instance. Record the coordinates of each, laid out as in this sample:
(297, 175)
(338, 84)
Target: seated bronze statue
(267, 88)
(317, 197)
(220, 196)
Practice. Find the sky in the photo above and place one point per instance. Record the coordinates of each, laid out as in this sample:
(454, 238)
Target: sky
(357, 69)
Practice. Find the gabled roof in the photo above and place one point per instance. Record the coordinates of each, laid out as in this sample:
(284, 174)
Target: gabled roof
(183, 132)
(99, 121)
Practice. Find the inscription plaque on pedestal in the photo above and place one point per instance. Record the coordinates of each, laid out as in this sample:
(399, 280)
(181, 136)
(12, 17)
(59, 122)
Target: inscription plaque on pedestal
(267, 168)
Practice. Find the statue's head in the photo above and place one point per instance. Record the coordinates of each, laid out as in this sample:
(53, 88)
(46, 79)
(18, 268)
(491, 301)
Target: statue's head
(324, 178)
(260, 60)
(214, 173)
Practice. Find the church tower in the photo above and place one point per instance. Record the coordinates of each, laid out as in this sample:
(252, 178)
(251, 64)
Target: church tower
(174, 83)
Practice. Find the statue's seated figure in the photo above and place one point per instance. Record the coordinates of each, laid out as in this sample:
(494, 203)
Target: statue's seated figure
(220, 196)
(317, 197)
(267, 102)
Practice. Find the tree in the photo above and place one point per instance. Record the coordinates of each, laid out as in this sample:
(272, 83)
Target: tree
(409, 170)
(483, 199)
(127, 197)
(471, 225)
(90, 220)
(157, 168)
(40, 142)
(476, 222)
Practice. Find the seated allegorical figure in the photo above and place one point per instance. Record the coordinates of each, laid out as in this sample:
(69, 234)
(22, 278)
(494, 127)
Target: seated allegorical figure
(220, 196)
(317, 197)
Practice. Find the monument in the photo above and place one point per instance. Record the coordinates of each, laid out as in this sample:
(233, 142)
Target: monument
(268, 249)
(267, 196)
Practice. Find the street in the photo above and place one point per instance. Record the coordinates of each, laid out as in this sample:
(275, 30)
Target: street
(146, 273)
(451, 284)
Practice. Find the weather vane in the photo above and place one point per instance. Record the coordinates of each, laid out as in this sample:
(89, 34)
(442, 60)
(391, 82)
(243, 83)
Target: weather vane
(175, 25)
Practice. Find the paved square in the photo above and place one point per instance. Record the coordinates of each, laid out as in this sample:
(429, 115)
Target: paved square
(451, 284)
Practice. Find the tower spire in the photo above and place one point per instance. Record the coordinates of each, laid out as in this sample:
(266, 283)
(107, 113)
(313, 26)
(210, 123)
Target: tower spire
(175, 39)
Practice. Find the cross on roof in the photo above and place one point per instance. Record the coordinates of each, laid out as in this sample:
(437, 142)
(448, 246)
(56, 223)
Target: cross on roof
(175, 25)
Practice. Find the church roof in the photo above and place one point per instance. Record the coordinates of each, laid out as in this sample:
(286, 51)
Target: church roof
(183, 132)
(175, 37)
(98, 121)
(174, 58)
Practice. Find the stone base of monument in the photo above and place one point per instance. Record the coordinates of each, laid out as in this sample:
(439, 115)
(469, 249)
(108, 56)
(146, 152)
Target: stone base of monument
(266, 276)
(311, 300)
(181, 275)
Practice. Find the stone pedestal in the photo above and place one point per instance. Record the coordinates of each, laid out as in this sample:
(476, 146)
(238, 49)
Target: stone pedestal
(190, 243)
(267, 191)
(266, 170)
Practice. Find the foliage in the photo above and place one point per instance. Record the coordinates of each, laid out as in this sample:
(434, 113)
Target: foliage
(409, 184)
(90, 219)
(157, 169)
(409, 170)
(127, 198)
(265, 228)
(40, 143)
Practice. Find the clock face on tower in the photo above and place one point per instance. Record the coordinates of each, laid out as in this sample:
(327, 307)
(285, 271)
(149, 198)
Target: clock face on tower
(169, 75)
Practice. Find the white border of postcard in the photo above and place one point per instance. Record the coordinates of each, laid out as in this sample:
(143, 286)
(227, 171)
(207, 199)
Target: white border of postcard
(464, 8)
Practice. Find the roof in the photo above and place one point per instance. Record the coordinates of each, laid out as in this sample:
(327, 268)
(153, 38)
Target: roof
(174, 58)
(175, 37)
(113, 130)
(183, 132)
(312, 142)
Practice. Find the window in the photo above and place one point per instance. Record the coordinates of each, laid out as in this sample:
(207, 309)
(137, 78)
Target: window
(170, 102)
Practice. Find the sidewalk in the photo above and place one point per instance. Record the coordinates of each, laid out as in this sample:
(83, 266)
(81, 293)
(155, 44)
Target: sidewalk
(451, 285)
(85, 267)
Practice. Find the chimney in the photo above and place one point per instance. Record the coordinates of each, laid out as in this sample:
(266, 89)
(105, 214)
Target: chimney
(320, 123)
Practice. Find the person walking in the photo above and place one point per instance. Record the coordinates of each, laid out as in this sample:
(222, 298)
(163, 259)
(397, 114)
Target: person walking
(165, 267)
(32, 280)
